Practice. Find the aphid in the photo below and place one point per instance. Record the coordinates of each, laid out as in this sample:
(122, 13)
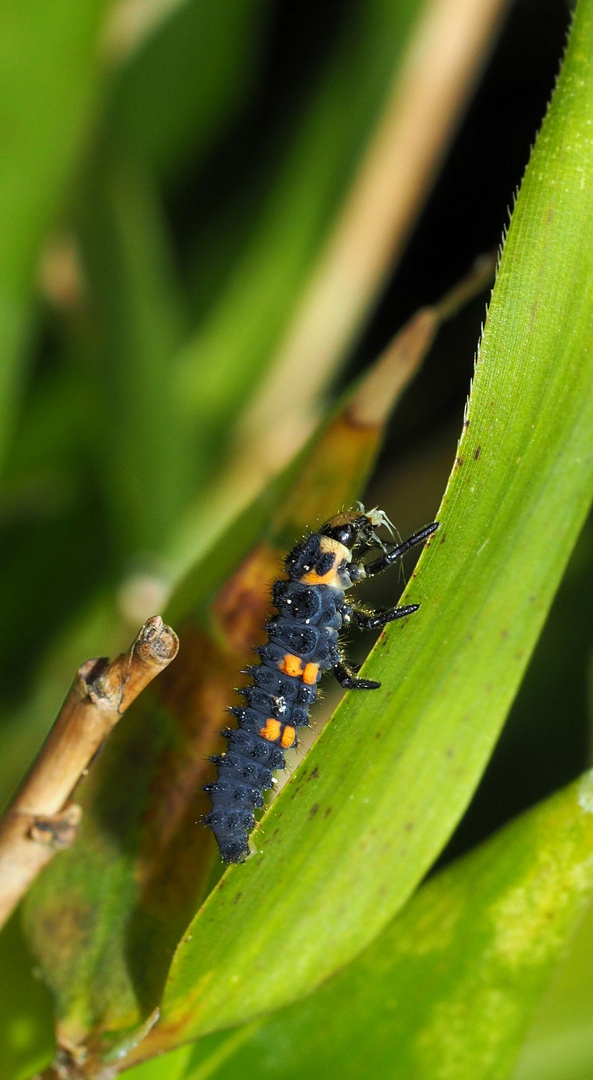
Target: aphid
(302, 644)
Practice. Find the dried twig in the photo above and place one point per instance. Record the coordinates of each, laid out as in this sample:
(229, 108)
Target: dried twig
(40, 819)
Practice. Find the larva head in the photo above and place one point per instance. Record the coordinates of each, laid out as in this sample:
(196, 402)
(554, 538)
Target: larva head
(355, 529)
(326, 557)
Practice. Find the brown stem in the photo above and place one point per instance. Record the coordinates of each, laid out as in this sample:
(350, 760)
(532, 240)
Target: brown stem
(40, 820)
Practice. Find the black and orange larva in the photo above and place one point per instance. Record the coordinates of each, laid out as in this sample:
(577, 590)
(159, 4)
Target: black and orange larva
(302, 644)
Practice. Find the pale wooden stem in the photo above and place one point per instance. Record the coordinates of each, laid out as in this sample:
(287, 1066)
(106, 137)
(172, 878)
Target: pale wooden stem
(40, 820)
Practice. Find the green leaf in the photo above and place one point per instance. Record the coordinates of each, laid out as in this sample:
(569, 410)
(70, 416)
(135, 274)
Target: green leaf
(187, 81)
(559, 1045)
(360, 823)
(545, 740)
(448, 988)
(26, 1030)
(141, 445)
(172, 1066)
(48, 81)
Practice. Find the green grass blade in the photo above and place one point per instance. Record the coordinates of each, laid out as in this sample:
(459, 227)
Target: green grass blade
(26, 1032)
(559, 1045)
(48, 79)
(142, 449)
(448, 988)
(354, 832)
(187, 81)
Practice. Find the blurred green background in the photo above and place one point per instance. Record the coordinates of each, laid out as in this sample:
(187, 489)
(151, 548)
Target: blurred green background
(170, 176)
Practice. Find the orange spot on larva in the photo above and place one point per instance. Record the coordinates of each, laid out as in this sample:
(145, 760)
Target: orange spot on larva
(291, 665)
(288, 737)
(313, 578)
(310, 674)
(271, 730)
(339, 553)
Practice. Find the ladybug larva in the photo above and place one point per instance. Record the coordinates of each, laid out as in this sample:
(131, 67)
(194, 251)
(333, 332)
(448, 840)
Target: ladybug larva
(302, 643)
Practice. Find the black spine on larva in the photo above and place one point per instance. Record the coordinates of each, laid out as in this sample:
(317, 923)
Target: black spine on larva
(306, 626)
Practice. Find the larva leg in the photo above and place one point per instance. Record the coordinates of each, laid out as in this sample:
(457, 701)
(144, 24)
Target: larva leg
(374, 620)
(349, 681)
(390, 557)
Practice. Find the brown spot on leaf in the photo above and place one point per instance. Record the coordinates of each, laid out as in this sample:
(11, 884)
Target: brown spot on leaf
(477, 452)
(243, 604)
